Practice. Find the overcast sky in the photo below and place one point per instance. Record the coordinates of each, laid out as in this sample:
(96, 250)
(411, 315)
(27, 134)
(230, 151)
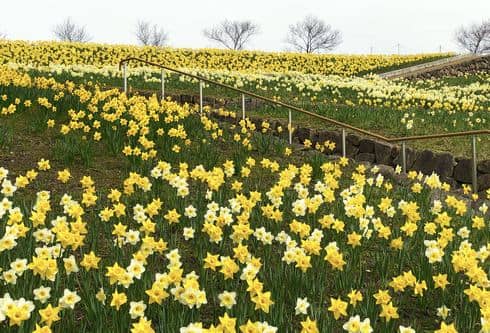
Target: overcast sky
(417, 25)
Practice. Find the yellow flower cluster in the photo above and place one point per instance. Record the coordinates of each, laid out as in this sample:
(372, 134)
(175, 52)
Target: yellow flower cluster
(45, 53)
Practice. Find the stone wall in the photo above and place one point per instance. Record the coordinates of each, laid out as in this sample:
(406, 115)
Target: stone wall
(453, 170)
(216, 103)
(473, 67)
(456, 171)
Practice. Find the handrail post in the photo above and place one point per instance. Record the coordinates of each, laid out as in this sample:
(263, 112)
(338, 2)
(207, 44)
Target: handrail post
(344, 146)
(163, 84)
(474, 166)
(243, 106)
(290, 128)
(404, 157)
(125, 78)
(200, 97)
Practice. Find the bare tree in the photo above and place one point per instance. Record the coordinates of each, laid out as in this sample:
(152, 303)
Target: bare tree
(147, 34)
(474, 38)
(313, 35)
(68, 31)
(143, 32)
(232, 34)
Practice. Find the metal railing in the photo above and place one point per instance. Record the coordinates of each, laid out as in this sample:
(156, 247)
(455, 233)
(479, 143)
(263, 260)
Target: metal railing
(403, 140)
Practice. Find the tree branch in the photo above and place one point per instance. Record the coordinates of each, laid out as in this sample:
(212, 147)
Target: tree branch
(313, 35)
(233, 35)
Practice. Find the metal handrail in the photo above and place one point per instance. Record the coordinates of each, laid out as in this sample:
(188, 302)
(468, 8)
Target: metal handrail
(344, 126)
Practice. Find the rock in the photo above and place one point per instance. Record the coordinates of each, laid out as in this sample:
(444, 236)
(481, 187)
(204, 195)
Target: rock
(248, 104)
(424, 162)
(366, 157)
(322, 136)
(367, 164)
(257, 103)
(484, 166)
(173, 97)
(383, 153)
(444, 165)
(208, 101)
(352, 150)
(275, 124)
(186, 99)
(366, 146)
(317, 136)
(484, 182)
(220, 103)
(454, 184)
(353, 139)
(352, 143)
(440, 163)
(402, 179)
(302, 133)
(412, 156)
(257, 121)
(219, 117)
(387, 171)
(463, 171)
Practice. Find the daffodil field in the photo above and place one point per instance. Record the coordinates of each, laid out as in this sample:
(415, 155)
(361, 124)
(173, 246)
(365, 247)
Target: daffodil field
(46, 53)
(125, 213)
(341, 87)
